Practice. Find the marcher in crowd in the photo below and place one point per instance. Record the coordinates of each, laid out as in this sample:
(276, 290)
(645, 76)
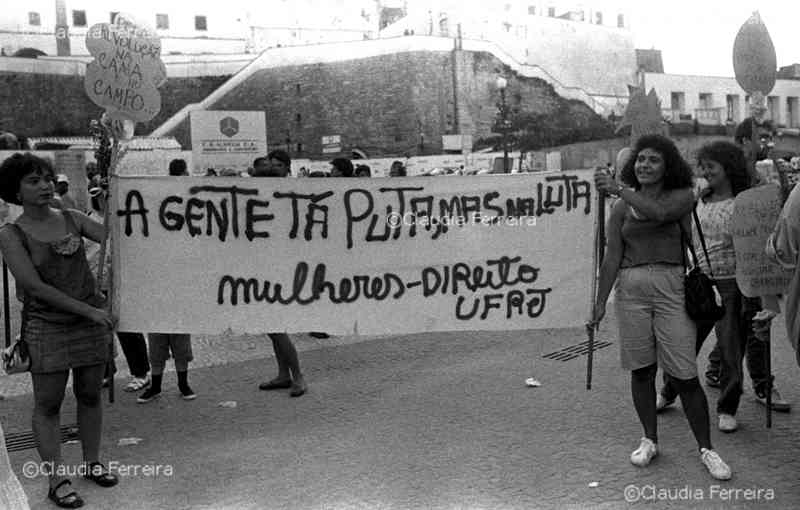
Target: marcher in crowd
(363, 171)
(65, 323)
(397, 169)
(62, 190)
(162, 344)
(289, 375)
(724, 168)
(341, 167)
(783, 246)
(645, 257)
(755, 350)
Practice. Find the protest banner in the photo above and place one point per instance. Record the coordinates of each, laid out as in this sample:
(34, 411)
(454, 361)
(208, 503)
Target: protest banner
(205, 255)
(755, 213)
(227, 139)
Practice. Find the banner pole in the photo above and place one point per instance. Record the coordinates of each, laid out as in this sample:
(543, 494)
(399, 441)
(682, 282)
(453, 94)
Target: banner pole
(6, 305)
(597, 259)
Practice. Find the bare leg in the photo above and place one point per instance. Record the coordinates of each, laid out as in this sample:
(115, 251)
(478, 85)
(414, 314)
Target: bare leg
(86, 385)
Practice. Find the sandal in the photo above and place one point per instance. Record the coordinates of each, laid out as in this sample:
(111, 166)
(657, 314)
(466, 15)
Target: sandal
(68, 500)
(98, 473)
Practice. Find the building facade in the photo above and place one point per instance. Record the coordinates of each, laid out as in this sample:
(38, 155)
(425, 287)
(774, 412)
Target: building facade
(713, 100)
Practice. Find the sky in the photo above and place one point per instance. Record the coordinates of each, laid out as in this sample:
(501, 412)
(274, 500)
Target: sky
(696, 37)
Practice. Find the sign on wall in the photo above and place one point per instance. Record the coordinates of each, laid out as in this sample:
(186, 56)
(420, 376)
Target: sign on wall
(227, 139)
(201, 255)
(331, 144)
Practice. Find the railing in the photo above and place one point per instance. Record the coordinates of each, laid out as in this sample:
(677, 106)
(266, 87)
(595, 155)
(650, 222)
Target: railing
(710, 116)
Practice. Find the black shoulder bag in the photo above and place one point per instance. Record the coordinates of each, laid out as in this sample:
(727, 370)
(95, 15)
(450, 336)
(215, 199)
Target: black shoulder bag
(702, 297)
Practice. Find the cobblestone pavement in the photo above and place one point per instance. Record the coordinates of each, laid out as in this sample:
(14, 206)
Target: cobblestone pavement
(434, 421)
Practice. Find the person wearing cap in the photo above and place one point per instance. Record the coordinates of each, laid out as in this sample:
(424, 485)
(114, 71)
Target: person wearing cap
(62, 199)
(278, 164)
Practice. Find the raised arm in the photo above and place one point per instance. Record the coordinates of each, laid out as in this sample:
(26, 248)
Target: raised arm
(671, 206)
(89, 227)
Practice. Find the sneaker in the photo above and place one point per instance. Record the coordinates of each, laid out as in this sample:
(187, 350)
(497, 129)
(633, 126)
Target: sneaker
(187, 393)
(137, 383)
(148, 396)
(662, 403)
(778, 402)
(727, 423)
(712, 380)
(645, 453)
(715, 465)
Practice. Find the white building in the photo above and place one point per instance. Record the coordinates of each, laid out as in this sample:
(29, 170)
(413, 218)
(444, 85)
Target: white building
(200, 27)
(718, 100)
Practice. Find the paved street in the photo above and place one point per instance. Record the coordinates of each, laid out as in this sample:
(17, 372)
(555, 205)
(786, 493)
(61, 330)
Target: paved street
(436, 421)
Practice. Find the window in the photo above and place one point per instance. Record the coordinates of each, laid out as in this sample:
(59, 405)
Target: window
(732, 108)
(200, 23)
(162, 21)
(112, 15)
(792, 112)
(706, 101)
(78, 18)
(773, 109)
(297, 89)
(532, 10)
(34, 19)
(551, 11)
(298, 118)
(299, 147)
(598, 18)
(677, 101)
(621, 20)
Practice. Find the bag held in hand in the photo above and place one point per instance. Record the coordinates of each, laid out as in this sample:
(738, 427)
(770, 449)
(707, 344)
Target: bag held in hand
(16, 358)
(702, 297)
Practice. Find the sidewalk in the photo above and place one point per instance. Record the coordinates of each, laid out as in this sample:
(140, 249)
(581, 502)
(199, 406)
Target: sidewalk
(435, 421)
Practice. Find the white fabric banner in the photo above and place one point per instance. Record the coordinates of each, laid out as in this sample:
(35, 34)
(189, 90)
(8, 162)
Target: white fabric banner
(353, 256)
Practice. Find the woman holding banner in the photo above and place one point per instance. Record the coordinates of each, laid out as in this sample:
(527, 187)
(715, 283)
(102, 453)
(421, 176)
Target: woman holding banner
(64, 321)
(644, 255)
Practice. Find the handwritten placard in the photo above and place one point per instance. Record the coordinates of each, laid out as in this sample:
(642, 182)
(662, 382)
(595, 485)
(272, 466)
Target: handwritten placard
(754, 215)
(126, 71)
(367, 256)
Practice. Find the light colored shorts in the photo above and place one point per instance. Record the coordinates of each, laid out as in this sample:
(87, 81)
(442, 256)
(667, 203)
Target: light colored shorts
(653, 324)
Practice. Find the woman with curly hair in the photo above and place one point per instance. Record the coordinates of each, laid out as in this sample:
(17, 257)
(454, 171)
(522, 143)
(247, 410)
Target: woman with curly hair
(725, 169)
(65, 323)
(645, 257)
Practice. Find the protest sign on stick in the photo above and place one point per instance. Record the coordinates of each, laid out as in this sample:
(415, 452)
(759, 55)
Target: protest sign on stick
(123, 78)
(755, 64)
(296, 255)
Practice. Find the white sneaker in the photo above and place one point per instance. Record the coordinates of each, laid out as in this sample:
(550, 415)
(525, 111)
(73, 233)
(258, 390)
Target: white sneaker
(715, 465)
(645, 453)
(662, 403)
(138, 383)
(727, 423)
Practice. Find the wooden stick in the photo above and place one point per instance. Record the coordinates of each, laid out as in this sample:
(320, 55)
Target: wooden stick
(6, 305)
(597, 259)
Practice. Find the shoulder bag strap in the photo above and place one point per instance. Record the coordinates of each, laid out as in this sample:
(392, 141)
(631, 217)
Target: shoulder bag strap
(702, 240)
(686, 238)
